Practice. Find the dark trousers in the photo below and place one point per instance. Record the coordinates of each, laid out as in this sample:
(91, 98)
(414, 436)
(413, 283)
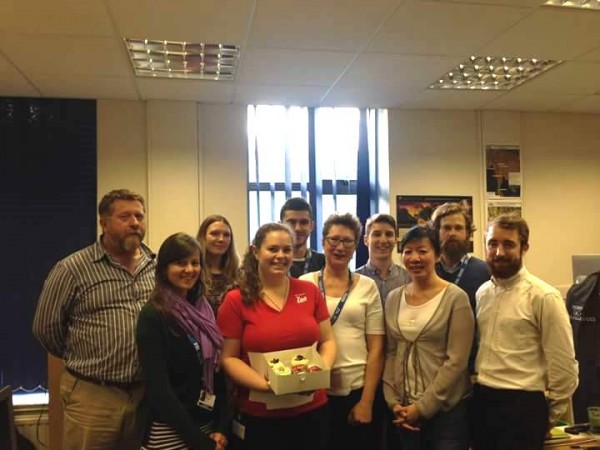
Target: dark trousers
(347, 436)
(509, 419)
(306, 431)
(447, 430)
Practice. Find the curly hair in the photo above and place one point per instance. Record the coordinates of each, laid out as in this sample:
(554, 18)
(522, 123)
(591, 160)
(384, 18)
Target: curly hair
(230, 261)
(249, 280)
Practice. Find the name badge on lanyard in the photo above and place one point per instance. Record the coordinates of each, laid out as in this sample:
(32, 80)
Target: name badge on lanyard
(342, 302)
(206, 400)
(463, 266)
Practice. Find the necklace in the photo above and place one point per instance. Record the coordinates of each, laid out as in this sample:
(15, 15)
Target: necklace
(273, 303)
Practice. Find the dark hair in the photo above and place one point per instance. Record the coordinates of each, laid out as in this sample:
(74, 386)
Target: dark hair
(380, 218)
(249, 280)
(422, 232)
(175, 248)
(105, 205)
(295, 204)
(230, 261)
(345, 220)
(449, 209)
(512, 221)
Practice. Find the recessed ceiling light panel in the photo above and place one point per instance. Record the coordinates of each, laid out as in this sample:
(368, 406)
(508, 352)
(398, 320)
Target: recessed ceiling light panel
(581, 4)
(492, 73)
(170, 59)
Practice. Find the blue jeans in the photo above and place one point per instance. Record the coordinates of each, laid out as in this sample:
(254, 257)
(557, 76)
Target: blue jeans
(445, 431)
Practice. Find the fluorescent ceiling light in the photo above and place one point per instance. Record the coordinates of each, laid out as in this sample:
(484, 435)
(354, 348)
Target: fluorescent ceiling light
(170, 59)
(492, 73)
(581, 4)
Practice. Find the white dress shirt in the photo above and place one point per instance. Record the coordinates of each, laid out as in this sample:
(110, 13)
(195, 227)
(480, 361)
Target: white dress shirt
(525, 339)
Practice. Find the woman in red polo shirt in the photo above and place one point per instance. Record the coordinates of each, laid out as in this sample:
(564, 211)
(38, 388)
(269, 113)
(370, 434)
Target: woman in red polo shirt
(270, 312)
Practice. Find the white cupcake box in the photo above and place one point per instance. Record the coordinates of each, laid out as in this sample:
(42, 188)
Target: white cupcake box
(294, 382)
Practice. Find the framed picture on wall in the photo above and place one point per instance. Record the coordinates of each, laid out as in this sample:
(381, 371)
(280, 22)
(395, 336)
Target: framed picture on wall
(414, 210)
(503, 171)
(495, 208)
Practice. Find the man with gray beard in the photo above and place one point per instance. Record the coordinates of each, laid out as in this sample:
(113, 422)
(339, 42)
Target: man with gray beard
(87, 315)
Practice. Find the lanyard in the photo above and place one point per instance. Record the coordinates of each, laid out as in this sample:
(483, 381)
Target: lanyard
(307, 260)
(196, 345)
(340, 305)
(463, 266)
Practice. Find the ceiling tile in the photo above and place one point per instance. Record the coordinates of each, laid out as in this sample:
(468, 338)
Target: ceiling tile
(594, 56)
(381, 97)
(86, 86)
(589, 104)
(293, 67)
(517, 100)
(434, 28)
(372, 70)
(344, 25)
(214, 21)
(67, 55)
(67, 17)
(567, 78)
(549, 33)
(197, 90)
(278, 95)
(519, 3)
(12, 84)
(448, 99)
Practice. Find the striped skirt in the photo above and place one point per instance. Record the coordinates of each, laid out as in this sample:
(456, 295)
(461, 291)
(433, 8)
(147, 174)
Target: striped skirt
(163, 437)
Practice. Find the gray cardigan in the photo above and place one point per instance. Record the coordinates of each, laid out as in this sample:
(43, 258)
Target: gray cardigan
(442, 349)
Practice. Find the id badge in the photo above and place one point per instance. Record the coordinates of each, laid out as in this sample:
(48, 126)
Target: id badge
(206, 400)
(238, 429)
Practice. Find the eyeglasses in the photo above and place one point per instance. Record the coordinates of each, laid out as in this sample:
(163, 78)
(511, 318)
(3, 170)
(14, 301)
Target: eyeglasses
(334, 242)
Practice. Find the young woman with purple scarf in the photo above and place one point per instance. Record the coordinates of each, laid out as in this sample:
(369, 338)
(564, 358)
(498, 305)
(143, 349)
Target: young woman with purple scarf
(179, 346)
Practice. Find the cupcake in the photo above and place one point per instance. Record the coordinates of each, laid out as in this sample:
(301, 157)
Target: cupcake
(282, 370)
(299, 360)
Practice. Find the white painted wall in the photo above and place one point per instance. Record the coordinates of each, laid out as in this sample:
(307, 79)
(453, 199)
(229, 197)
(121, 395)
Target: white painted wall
(190, 160)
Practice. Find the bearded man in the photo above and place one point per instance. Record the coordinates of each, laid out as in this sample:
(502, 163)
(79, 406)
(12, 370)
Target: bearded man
(526, 370)
(87, 315)
(455, 228)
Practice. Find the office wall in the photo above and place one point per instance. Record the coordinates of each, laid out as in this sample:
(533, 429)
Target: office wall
(441, 153)
(190, 160)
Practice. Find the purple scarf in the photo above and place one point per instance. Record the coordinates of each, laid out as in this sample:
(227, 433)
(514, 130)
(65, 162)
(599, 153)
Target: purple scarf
(199, 322)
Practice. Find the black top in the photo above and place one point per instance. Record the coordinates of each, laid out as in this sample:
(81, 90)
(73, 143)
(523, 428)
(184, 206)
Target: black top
(317, 262)
(172, 372)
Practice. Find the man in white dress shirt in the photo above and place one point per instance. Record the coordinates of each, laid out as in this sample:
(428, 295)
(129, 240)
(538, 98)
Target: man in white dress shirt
(526, 367)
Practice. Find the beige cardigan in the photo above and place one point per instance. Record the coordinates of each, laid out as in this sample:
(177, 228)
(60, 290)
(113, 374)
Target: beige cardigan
(443, 349)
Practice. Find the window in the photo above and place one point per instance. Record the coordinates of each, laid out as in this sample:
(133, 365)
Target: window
(336, 158)
(47, 210)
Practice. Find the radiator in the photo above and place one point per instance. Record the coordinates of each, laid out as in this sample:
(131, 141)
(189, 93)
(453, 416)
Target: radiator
(32, 424)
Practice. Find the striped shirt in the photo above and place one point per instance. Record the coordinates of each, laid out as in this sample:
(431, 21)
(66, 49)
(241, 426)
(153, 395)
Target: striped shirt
(88, 309)
(163, 437)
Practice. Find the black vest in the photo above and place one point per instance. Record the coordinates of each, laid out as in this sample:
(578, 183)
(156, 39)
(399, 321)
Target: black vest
(583, 304)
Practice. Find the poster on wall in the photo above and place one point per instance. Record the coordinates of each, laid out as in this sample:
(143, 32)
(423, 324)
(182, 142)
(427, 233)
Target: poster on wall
(495, 208)
(414, 210)
(503, 171)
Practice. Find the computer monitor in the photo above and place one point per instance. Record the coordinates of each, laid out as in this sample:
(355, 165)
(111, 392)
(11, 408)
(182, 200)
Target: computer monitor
(584, 265)
(8, 436)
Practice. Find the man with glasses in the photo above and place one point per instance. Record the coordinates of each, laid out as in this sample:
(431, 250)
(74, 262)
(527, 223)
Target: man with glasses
(380, 237)
(297, 214)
